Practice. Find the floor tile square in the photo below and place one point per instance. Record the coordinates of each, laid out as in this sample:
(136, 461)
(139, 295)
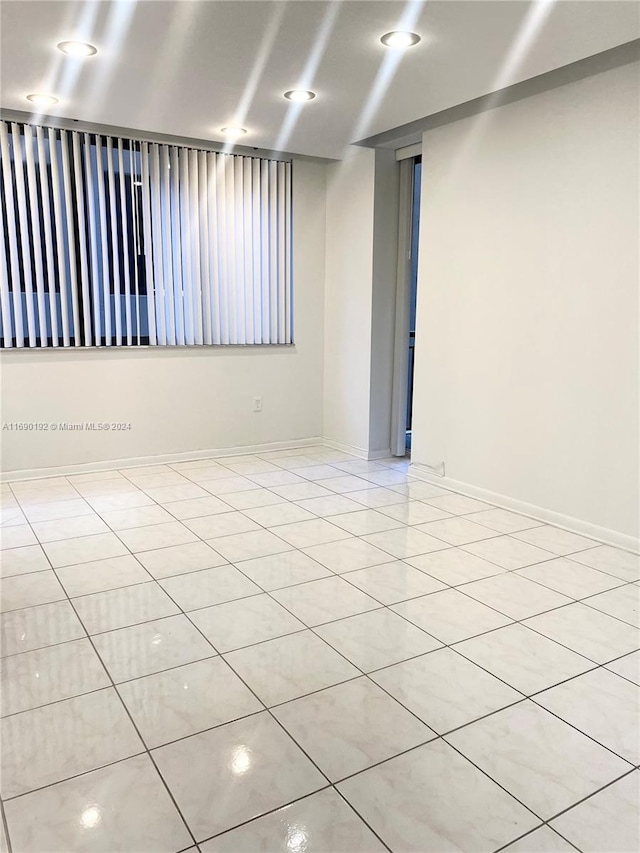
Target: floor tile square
(393, 582)
(246, 768)
(332, 504)
(503, 521)
(168, 494)
(157, 536)
(418, 491)
(508, 553)
(603, 706)
(180, 559)
(405, 542)
(118, 608)
(524, 659)
(454, 566)
(628, 667)
(348, 483)
(251, 499)
(414, 512)
(351, 726)
(23, 561)
(83, 549)
(542, 840)
(279, 570)
(229, 485)
(432, 799)
(386, 477)
(101, 575)
(365, 521)
(377, 639)
(125, 500)
(444, 689)
(28, 590)
(52, 743)
(246, 546)
(348, 555)
(151, 647)
(324, 600)
(125, 806)
(277, 478)
(457, 530)
(289, 667)
(377, 497)
(47, 675)
(588, 632)
(324, 818)
(187, 700)
(607, 822)
(457, 504)
(36, 627)
(305, 534)
(515, 596)
(545, 763)
(278, 514)
(208, 587)
(451, 616)
(196, 507)
(621, 564)
(622, 603)
(318, 472)
(221, 524)
(570, 578)
(237, 624)
(17, 537)
(302, 491)
(143, 516)
(59, 509)
(67, 528)
(560, 542)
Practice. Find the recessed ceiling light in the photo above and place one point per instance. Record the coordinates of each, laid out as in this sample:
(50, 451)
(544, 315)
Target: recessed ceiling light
(42, 100)
(299, 95)
(233, 132)
(77, 48)
(400, 39)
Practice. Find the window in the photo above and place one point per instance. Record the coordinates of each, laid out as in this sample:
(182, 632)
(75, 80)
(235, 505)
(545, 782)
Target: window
(115, 242)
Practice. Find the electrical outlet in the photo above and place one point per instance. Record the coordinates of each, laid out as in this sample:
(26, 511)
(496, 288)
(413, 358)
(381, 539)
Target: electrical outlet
(257, 404)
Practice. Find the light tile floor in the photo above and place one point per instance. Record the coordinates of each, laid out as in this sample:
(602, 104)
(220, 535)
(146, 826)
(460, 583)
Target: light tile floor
(301, 651)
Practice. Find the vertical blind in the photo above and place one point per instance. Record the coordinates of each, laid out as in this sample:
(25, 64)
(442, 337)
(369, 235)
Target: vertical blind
(114, 242)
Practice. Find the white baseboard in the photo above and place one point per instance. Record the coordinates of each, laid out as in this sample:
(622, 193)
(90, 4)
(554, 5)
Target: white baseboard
(160, 459)
(566, 522)
(360, 452)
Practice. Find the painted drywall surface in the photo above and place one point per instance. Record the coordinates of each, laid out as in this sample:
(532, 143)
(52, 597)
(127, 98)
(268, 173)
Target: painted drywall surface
(383, 300)
(348, 298)
(180, 400)
(527, 332)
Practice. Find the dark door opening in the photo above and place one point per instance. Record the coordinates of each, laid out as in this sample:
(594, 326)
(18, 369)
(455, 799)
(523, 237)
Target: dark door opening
(415, 230)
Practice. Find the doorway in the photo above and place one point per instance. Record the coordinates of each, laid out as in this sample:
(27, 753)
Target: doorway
(406, 297)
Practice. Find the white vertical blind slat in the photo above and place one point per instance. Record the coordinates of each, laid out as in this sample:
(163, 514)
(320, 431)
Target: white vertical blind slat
(125, 241)
(156, 249)
(205, 273)
(288, 254)
(105, 284)
(5, 302)
(8, 181)
(115, 242)
(24, 232)
(214, 267)
(241, 298)
(93, 240)
(89, 331)
(185, 225)
(34, 210)
(135, 208)
(146, 220)
(194, 195)
(174, 229)
(167, 248)
(48, 235)
(280, 233)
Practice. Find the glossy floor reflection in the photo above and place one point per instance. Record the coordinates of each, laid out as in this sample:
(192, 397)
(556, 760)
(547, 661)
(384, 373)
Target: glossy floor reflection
(302, 652)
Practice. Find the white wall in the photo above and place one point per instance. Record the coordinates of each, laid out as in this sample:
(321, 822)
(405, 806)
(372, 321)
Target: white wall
(348, 295)
(180, 400)
(527, 335)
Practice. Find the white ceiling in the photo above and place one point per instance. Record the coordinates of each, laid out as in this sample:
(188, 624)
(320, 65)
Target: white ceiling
(188, 68)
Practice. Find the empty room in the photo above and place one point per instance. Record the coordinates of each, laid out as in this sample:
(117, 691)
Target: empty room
(320, 426)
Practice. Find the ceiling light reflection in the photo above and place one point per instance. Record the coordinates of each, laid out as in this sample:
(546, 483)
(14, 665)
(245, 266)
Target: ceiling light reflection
(77, 49)
(241, 760)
